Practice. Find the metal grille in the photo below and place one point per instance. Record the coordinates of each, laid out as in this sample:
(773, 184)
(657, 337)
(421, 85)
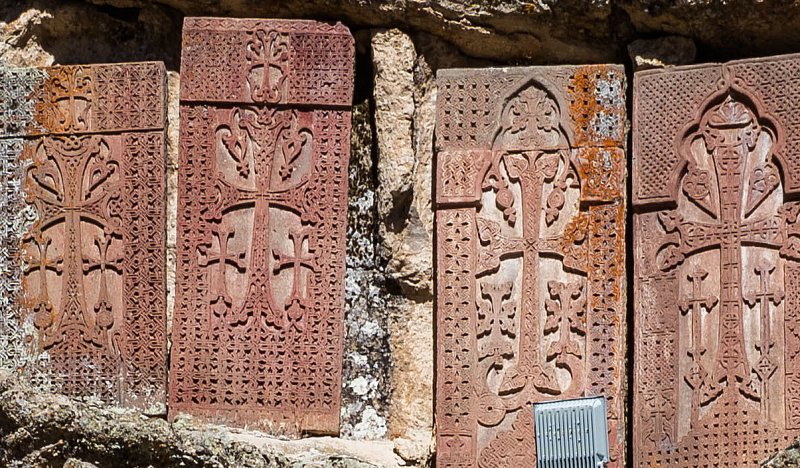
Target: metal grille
(571, 433)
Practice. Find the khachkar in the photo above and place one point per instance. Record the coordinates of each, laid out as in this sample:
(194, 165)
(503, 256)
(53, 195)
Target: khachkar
(83, 234)
(265, 128)
(530, 217)
(717, 252)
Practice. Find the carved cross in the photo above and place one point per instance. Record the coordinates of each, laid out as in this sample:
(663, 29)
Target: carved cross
(268, 127)
(496, 321)
(218, 287)
(565, 314)
(56, 181)
(43, 309)
(662, 410)
(297, 261)
(694, 304)
(102, 261)
(765, 367)
(730, 132)
(103, 309)
(268, 51)
(531, 170)
(72, 84)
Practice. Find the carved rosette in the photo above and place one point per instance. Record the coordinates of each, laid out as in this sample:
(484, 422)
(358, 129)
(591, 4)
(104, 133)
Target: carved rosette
(530, 274)
(265, 124)
(716, 263)
(87, 237)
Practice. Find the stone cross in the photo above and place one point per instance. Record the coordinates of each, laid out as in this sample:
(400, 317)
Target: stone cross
(219, 287)
(694, 304)
(89, 199)
(529, 222)
(730, 150)
(766, 366)
(715, 173)
(265, 127)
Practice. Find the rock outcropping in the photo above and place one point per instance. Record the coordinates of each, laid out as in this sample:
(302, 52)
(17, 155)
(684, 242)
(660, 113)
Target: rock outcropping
(387, 416)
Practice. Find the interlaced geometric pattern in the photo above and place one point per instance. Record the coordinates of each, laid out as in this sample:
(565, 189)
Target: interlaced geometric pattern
(530, 216)
(84, 230)
(661, 118)
(264, 149)
(716, 265)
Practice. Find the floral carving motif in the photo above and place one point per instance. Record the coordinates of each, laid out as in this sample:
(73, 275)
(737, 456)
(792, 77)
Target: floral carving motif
(732, 259)
(503, 342)
(262, 218)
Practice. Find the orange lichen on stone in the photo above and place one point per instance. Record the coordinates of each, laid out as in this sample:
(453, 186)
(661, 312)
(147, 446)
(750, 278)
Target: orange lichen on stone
(597, 105)
(531, 271)
(602, 173)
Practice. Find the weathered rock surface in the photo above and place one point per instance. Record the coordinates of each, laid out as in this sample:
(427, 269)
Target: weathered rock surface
(789, 458)
(367, 365)
(39, 429)
(661, 52)
(537, 31)
(406, 235)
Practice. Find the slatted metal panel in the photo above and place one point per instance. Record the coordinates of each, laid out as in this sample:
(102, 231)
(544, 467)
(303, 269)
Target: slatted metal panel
(571, 433)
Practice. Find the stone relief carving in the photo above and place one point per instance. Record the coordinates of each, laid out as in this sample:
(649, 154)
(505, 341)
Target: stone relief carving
(85, 229)
(265, 123)
(715, 345)
(530, 278)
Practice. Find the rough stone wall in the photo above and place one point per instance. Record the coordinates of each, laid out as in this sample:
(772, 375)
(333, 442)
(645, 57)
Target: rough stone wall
(366, 376)
(389, 374)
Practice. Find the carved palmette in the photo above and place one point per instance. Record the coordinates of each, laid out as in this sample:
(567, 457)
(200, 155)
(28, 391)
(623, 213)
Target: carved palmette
(530, 269)
(714, 235)
(86, 230)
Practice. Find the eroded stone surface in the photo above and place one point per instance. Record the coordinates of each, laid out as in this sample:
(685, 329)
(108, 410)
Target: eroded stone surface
(716, 163)
(530, 223)
(367, 365)
(265, 128)
(661, 52)
(83, 298)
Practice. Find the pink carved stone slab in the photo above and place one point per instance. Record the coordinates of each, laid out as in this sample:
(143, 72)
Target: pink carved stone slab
(530, 218)
(83, 295)
(716, 158)
(265, 128)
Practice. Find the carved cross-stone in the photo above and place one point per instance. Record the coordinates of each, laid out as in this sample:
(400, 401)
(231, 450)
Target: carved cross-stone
(530, 225)
(87, 218)
(220, 298)
(694, 304)
(715, 165)
(265, 122)
(763, 296)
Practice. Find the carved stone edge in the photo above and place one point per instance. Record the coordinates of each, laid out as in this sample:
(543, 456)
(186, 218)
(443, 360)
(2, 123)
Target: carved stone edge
(243, 26)
(34, 100)
(638, 158)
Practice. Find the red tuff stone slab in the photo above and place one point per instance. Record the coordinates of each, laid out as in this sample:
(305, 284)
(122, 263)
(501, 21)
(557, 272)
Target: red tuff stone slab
(82, 152)
(717, 263)
(265, 128)
(530, 217)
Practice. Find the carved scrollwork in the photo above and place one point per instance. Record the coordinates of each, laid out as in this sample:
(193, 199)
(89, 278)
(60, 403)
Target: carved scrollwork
(264, 172)
(504, 343)
(715, 276)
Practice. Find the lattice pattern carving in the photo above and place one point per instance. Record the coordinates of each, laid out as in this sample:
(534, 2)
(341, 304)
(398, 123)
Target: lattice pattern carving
(265, 127)
(84, 233)
(716, 265)
(530, 228)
